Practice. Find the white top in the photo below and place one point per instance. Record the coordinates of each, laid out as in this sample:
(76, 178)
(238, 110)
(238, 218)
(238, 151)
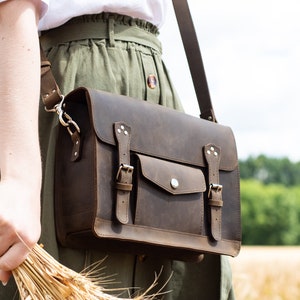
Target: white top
(57, 12)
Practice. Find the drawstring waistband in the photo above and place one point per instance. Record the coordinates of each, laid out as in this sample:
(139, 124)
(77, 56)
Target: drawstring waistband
(112, 27)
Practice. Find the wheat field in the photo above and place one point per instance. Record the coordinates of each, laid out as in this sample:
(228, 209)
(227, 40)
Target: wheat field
(267, 273)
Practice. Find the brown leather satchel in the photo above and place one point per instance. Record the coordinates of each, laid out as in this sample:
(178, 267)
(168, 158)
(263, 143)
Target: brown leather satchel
(145, 179)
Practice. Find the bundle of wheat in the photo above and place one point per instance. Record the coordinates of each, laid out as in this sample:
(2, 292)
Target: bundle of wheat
(41, 277)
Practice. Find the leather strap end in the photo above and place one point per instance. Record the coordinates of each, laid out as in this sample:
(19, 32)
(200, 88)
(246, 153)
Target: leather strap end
(209, 115)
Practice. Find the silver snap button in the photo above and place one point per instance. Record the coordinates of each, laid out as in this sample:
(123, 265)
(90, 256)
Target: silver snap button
(174, 183)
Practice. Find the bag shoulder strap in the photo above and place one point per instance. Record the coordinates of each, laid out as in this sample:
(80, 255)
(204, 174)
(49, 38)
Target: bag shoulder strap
(194, 58)
(51, 94)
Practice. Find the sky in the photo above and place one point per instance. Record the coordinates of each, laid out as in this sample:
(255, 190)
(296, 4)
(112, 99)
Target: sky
(251, 54)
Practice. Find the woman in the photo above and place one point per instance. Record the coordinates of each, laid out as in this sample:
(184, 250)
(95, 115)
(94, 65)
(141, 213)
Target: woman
(103, 63)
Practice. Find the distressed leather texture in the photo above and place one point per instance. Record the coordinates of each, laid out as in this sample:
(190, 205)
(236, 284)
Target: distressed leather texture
(145, 179)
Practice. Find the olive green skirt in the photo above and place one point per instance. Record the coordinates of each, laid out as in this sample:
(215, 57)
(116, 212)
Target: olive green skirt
(119, 55)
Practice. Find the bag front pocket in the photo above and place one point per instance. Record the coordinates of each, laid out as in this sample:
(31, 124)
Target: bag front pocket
(169, 195)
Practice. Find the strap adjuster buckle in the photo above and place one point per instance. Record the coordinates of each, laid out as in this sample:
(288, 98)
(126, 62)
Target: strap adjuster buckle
(216, 187)
(124, 167)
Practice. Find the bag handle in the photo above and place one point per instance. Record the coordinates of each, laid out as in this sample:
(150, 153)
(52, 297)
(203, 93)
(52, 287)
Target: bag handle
(51, 94)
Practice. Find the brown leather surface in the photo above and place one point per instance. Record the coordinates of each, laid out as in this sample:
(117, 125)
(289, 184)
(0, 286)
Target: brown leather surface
(178, 133)
(168, 206)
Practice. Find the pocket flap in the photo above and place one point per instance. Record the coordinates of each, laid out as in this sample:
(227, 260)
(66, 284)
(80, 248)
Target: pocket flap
(172, 177)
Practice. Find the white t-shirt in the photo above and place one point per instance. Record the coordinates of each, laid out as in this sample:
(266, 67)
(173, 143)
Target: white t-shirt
(57, 12)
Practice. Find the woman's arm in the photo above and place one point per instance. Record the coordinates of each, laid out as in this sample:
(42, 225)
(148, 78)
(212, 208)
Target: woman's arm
(20, 162)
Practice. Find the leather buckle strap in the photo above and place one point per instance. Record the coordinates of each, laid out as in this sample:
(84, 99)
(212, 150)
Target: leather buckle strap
(125, 172)
(212, 154)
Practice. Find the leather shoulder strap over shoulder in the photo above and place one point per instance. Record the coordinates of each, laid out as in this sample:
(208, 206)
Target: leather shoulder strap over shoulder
(194, 57)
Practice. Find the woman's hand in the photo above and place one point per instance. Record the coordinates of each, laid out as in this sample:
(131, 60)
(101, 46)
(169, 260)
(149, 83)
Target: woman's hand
(19, 223)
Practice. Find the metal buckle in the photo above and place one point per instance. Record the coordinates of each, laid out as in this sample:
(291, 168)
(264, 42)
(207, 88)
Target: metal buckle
(215, 186)
(126, 168)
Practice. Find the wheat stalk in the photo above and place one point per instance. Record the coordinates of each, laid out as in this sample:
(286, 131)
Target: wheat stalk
(41, 277)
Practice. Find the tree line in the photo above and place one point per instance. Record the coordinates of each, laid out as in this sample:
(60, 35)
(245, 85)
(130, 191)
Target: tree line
(270, 198)
(271, 170)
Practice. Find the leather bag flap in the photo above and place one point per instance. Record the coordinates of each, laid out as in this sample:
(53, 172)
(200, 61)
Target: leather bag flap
(172, 177)
(157, 131)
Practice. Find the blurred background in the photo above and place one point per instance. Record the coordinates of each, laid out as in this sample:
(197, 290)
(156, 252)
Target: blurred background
(251, 53)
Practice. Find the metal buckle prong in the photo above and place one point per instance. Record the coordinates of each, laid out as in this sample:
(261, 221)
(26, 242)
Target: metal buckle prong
(124, 167)
(214, 186)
